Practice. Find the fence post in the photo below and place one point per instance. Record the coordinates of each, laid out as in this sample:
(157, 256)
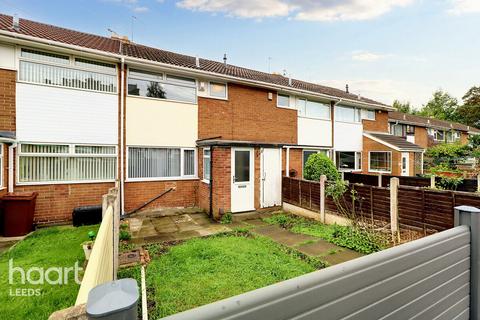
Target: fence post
(432, 181)
(470, 216)
(394, 182)
(323, 179)
(380, 180)
(478, 183)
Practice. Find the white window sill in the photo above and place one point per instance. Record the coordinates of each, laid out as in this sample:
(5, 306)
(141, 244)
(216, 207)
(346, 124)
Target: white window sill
(305, 117)
(289, 108)
(216, 98)
(62, 182)
(349, 122)
(378, 171)
(160, 179)
(205, 181)
(160, 100)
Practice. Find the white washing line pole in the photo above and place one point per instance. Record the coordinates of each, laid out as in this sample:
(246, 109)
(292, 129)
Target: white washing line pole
(122, 105)
(144, 295)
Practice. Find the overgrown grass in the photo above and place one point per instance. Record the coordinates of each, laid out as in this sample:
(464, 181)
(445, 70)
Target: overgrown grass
(348, 237)
(201, 271)
(52, 247)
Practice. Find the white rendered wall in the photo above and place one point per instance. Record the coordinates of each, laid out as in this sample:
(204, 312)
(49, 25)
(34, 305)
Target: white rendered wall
(49, 114)
(314, 132)
(160, 123)
(348, 136)
(7, 56)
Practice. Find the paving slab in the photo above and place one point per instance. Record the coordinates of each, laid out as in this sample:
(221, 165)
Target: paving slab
(283, 236)
(318, 248)
(342, 256)
(256, 222)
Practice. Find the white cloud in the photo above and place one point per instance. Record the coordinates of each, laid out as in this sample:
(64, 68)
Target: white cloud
(367, 56)
(242, 9)
(464, 6)
(311, 10)
(140, 9)
(386, 90)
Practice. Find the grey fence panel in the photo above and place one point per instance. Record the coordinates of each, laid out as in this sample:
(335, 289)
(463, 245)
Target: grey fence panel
(425, 279)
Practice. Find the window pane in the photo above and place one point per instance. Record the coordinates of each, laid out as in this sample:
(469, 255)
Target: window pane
(159, 90)
(346, 160)
(368, 114)
(380, 161)
(302, 107)
(318, 110)
(206, 164)
(189, 162)
(153, 162)
(283, 100)
(45, 56)
(48, 166)
(359, 161)
(94, 150)
(344, 114)
(242, 166)
(145, 75)
(181, 80)
(398, 130)
(66, 77)
(218, 90)
(95, 65)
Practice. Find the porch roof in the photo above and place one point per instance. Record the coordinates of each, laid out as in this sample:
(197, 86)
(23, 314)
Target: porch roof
(394, 142)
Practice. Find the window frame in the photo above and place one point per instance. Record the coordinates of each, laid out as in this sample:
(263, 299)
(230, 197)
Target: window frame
(365, 112)
(203, 164)
(289, 104)
(182, 155)
(162, 80)
(69, 65)
(357, 113)
(379, 171)
(329, 118)
(357, 161)
(70, 154)
(210, 90)
(435, 133)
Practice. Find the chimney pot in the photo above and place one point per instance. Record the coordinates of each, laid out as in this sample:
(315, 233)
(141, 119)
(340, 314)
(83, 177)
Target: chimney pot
(346, 88)
(225, 59)
(16, 23)
(197, 62)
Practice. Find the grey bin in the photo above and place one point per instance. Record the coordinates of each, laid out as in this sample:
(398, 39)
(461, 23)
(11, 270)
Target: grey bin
(114, 300)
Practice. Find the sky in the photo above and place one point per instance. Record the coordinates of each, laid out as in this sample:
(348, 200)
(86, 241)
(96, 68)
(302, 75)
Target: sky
(383, 49)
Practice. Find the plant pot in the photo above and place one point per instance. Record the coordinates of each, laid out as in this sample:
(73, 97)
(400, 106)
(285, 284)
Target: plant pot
(87, 249)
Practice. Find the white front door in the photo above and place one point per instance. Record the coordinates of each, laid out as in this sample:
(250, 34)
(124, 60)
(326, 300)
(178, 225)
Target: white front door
(243, 169)
(405, 164)
(271, 178)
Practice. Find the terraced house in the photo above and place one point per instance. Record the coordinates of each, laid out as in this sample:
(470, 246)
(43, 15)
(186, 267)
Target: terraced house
(81, 112)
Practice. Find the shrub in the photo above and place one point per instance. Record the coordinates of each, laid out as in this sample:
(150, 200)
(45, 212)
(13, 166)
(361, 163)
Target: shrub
(447, 154)
(124, 235)
(319, 164)
(226, 218)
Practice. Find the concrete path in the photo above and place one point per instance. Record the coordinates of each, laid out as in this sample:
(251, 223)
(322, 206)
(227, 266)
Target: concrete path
(160, 226)
(309, 245)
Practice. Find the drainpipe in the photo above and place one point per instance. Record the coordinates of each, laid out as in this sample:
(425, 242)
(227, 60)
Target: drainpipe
(11, 177)
(211, 182)
(122, 166)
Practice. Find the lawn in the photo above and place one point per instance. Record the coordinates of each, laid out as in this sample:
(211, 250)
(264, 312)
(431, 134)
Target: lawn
(357, 239)
(51, 247)
(201, 271)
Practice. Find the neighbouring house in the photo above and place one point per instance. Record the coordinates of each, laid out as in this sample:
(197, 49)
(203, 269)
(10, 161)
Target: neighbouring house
(82, 112)
(427, 132)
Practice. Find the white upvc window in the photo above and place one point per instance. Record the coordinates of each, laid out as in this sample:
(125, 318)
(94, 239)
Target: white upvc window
(65, 163)
(439, 135)
(283, 101)
(313, 109)
(347, 114)
(161, 163)
(206, 165)
(218, 90)
(61, 70)
(368, 114)
(380, 161)
(158, 85)
(348, 160)
(1, 165)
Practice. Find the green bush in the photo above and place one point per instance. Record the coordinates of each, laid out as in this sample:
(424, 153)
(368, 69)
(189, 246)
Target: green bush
(319, 164)
(226, 218)
(124, 235)
(447, 154)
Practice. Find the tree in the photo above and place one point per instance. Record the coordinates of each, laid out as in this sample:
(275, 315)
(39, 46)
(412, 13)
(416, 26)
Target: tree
(469, 113)
(404, 107)
(442, 106)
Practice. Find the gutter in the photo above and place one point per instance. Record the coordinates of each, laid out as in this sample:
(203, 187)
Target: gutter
(265, 85)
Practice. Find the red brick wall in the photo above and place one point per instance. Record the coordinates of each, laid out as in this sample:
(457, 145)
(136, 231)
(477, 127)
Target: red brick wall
(137, 193)
(221, 180)
(55, 202)
(371, 145)
(247, 115)
(463, 137)
(7, 100)
(379, 125)
(421, 137)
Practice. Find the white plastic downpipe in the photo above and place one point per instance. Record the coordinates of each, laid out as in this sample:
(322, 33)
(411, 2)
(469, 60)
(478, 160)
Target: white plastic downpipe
(122, 107)
(11, 164)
